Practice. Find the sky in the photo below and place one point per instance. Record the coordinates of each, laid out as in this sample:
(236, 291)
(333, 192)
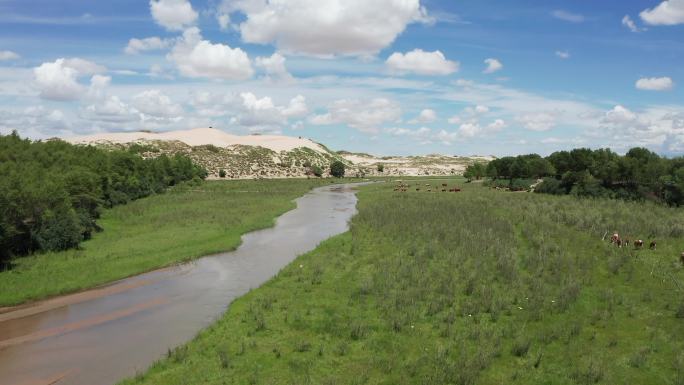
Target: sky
(387, 77)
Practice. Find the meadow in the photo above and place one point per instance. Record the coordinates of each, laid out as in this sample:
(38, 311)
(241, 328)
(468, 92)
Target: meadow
(184, 223)
(476, 287)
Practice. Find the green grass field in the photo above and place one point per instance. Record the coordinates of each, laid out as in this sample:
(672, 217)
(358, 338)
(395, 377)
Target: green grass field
(182, 224)
(477, 287)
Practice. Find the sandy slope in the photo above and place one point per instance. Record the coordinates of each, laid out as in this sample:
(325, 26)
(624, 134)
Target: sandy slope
(203, 136)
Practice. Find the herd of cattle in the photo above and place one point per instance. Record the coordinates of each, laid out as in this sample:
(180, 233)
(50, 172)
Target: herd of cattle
(401, 187)
(616, 240)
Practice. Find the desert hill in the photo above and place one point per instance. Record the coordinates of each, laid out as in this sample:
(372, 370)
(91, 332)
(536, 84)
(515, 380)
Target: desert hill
(270, 156)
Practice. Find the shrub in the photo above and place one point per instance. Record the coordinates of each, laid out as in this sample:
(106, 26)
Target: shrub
(381, 167)
(222, 173)
(337, 169)
(316, 170)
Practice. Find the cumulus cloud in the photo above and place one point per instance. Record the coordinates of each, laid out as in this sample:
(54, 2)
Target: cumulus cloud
(568, 16)
(174, 15)
(630, 24)
(563, 54)
(8, 55)
(426, 116)
(111, 110)
(669, 12)
(59, 80)
(473, 128)
(274, 67)
(661, 128)
(493, 65)
(155, 103)
(196, 57)
(264, 113)
(540, 121)
(326, 27)
(421, 62)
(136, 46)
(422, 133)
(364, 115)
(655, 84)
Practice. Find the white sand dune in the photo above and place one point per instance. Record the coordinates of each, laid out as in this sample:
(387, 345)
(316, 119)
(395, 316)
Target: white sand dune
(203, 136)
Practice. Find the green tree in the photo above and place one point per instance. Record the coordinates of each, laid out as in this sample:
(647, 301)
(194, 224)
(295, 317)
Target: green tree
(381, 167)
(337, 169)
(222, 173)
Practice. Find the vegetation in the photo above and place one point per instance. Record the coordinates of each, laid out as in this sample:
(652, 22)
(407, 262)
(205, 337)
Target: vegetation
(638, 175)
(476, 287)
(222, 173)
(475, 171)
(337, 169)
(381, 167)
(185, 223)
(52, 193)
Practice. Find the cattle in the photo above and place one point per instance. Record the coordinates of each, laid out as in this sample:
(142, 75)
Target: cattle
(618, 243)
(652, 245)
(417, 189)
(614, 238)
(443, 190)
(626, 242)
(681, 259)
(638, 244)
(444, 184)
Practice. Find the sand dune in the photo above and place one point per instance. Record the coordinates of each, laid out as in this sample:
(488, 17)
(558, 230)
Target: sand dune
(203, 136)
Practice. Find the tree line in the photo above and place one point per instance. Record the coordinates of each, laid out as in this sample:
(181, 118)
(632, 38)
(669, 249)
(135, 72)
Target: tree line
(639, 174)
(52, 192)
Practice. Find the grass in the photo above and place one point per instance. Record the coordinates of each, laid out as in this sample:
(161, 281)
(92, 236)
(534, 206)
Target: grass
(182, 224)
(478, 287)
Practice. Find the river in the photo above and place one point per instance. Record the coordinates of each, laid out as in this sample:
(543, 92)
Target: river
(102, 336)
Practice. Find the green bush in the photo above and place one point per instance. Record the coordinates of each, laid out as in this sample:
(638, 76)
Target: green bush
(222, 173)
(337, 169)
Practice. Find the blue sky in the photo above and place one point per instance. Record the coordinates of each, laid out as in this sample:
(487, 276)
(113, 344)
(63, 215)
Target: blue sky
(381, 76)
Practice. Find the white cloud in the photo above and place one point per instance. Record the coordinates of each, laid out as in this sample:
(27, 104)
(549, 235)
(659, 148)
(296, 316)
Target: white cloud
(477, 110)
(421, 133)
(669, 12)
(156, 104)
(8, 55)
(473, 128)
(563, 54)
(655, 84)
(364, 115)
(630, 24)
(274, 66)
(223, 21)
(541, 121)
(200, 58)
(136, 46)
(326, 27)
(59, 80)
(426, 116)
(568, 16)
(264, 113)
(493, 65)
(174, 15)
(455, 119)
(660, 127)
(111, 110)
(421, 62)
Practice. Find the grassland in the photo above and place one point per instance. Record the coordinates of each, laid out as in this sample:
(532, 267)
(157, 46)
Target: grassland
(182, 224)
(477, 287)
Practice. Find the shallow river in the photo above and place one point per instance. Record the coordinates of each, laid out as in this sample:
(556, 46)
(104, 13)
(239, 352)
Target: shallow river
(102, 336)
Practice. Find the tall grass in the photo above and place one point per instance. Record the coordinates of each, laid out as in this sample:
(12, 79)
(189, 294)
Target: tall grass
(182, 224)
(478, 287)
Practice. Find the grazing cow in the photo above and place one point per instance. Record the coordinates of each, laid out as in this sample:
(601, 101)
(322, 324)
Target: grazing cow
(638, 244)
(443, 190)
(681, 259)
(618, 243)
(429, 190)
(626, 242)
(444, 184)
(614, 238)
(417, 189)
(652, 245)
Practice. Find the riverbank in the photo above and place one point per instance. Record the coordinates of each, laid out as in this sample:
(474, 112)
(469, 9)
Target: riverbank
(180, 225)
(480, 286)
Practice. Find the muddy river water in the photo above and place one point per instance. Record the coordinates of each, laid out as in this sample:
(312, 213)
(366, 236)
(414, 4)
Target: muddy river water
(101, 336)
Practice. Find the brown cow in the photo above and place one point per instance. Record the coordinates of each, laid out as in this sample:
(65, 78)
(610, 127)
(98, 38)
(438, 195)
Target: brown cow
(614, 238)
(417, 189)
(681, 259)
(638, 244)
(444, 184)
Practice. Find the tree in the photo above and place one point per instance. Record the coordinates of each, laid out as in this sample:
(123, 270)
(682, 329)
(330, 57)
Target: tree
(222, 173)
(381, 167)
(317, 170)
(475, 171)
(337, 169)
